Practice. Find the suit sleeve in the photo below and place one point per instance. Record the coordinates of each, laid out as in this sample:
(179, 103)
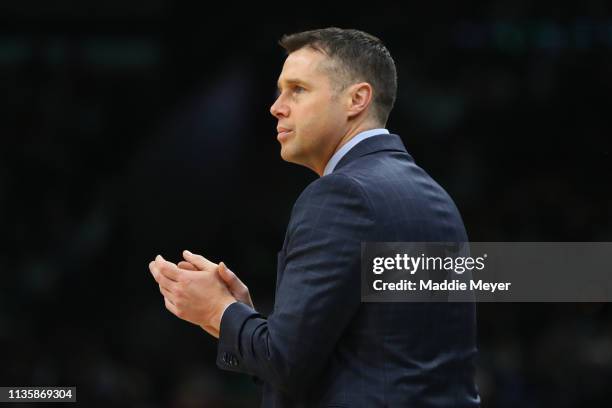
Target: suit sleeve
(316, 297)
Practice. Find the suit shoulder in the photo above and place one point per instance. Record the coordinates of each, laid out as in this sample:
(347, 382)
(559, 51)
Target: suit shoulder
(333, 184)
(333, 193)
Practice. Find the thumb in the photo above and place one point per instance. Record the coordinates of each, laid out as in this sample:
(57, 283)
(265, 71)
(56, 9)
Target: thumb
(228, 276)
(238, 289)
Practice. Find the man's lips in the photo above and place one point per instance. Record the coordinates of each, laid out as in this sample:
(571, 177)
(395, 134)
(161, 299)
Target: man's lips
(282, 133)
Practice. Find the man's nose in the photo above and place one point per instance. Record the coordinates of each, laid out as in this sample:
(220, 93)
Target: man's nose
(279, 108)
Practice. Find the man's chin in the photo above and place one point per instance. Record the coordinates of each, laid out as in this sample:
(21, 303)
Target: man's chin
(289, 156)
(295, 159)
(285, 154)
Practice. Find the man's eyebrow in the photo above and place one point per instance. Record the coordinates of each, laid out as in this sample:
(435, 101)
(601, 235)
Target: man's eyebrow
(291, 81)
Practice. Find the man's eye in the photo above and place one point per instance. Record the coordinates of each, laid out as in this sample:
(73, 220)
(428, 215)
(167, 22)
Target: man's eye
(298, 89)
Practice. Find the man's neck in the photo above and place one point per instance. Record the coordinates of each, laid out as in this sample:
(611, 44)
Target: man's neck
(351, 133)
(348, 135)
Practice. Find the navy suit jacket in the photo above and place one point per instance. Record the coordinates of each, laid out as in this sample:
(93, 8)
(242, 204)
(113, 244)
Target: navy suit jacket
(322, 347)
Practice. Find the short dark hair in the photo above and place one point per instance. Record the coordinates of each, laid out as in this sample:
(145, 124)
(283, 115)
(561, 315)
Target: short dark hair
(359, 56)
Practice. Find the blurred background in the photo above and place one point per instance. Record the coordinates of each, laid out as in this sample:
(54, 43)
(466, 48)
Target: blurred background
(132, 128)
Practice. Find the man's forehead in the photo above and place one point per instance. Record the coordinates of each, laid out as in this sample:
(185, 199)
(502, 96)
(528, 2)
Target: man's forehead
(301, 66)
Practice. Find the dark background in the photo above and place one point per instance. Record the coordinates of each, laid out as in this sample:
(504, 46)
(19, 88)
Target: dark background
(136, 128)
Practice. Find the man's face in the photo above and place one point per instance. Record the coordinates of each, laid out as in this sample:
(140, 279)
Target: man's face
(311, 118)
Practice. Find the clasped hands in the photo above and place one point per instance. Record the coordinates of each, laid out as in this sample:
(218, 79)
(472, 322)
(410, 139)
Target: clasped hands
(198, 290)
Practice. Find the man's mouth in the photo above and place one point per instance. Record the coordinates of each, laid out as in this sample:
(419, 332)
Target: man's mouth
(283, 134)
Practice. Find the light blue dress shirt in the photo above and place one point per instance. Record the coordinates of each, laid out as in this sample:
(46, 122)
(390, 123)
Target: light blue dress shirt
(331, 164)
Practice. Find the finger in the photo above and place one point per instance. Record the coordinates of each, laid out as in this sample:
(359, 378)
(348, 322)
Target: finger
(168, 269)
(170, 306)
(228, 276)
(165, 293)
(156, 272)
(167, 261)
(198, 260)
(187, 265)
(166, 283)
(161, 260)
(153, 269)
(237, 288)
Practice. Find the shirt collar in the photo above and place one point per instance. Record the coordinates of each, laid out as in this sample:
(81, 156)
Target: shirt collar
(331, 164)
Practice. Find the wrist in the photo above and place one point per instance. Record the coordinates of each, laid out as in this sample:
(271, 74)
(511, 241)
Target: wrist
(221, 310)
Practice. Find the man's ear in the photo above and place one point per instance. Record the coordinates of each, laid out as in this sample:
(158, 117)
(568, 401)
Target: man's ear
(359, 98)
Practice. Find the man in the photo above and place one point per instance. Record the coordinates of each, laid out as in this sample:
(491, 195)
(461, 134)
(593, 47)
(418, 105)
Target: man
(321, 346)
